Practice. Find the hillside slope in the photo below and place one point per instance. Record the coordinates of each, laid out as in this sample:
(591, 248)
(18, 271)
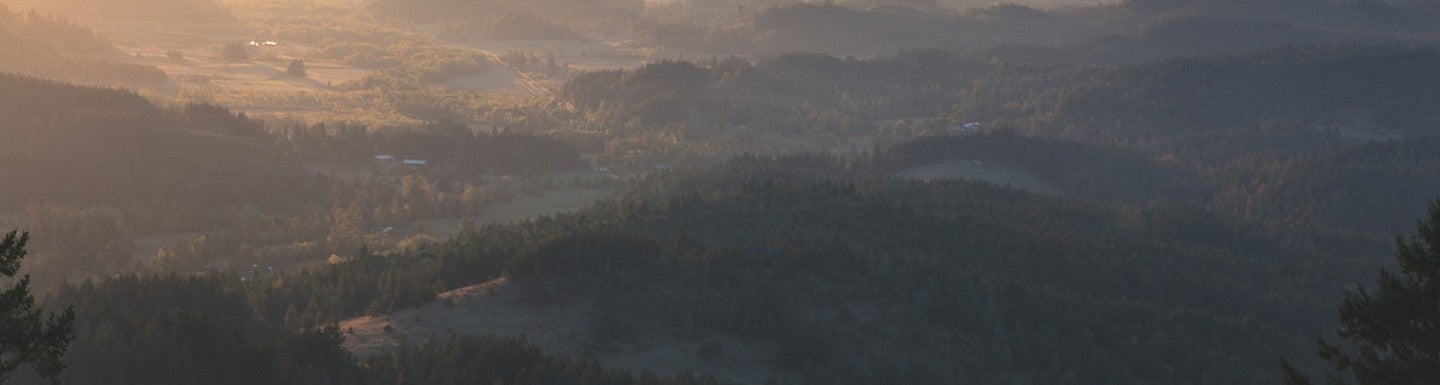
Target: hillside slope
(54, 47)
(864, 280)
(114, 147)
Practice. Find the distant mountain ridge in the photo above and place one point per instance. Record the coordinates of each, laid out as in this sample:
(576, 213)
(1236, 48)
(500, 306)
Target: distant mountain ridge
(1401, 17)
(1134, 31)
(1187, 36)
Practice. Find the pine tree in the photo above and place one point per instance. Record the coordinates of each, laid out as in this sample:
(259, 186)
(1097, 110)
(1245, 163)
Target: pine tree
(28, 336)
(1396, 329)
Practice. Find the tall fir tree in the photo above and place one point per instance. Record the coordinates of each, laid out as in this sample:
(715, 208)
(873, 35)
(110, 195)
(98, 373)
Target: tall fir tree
(28, 336)
(1395, 330)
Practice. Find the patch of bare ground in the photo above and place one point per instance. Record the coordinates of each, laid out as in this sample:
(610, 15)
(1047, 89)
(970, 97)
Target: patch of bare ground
(560, 326)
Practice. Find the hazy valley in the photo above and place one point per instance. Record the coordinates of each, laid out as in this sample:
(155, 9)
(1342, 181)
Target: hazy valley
(719, 192)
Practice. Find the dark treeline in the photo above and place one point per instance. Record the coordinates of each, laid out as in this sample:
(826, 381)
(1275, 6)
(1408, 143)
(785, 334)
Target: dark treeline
(1361, 186)
(859, 280)
(478, 360)
(175, 330)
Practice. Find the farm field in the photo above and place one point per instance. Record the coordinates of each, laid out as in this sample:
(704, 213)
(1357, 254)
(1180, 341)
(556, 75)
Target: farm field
(334, 88)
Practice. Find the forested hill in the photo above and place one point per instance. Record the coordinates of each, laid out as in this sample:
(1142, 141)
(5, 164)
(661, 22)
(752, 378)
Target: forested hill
(1186, 35)
(55, 47)
(853, 29)
(1238, 133)
(1368, 186)
(1109, 33)
(1081, 171)
(1290, 99)
(1401, 17)
(1285, 134)
(1363, 186)
(173, 330)
(859, 280)
(87, 145)
(89, 168)
(114, 147)
(1357, 92)
(1206, 110)
(95, 171)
